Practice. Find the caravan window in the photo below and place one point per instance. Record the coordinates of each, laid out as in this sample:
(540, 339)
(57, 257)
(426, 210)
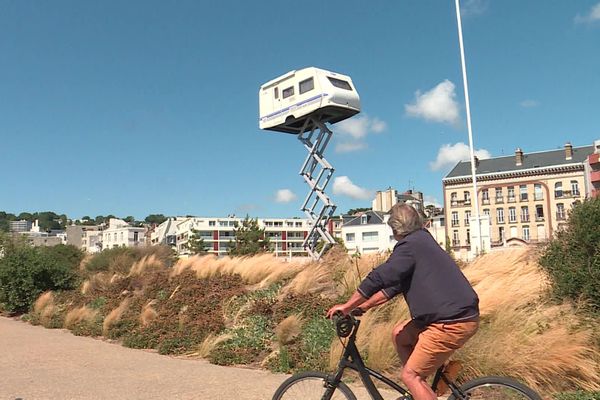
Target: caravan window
(288, 92)
(276, 91)
(339, 83)
(307, 85)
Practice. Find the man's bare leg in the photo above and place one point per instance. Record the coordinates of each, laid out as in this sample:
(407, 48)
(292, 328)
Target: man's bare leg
(417, 386)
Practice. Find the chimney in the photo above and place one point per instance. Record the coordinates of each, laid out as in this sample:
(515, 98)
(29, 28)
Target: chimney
(568, 151)
(519, 156)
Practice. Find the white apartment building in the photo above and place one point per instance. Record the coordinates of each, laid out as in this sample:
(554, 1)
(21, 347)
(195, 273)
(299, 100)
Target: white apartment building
(368, 233)
(286, 236)
(120, 234)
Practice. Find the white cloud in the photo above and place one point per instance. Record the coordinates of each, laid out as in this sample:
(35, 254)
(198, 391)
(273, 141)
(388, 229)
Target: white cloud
(450, 154)
(438, 105)
(529, 103)
(347, 147)
(353, 132)
(427, 200)
(285, 196)
(359, 127)
(472, 8)
(592, 16)
(342, 185)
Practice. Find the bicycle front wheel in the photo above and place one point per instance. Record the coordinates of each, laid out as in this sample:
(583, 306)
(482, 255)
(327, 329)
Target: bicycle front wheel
(310, 386)
(497, 388)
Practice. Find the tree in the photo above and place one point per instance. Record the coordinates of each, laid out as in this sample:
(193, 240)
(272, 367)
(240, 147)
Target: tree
(249, 239)
(129, 219)
(196, 244)
(572, 258)
(155, 219)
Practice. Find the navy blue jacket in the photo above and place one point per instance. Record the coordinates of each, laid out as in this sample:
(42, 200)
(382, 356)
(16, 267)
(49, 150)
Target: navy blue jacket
(432, 284)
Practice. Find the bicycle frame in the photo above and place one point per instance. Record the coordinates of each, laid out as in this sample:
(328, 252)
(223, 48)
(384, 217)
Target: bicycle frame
(351, 359)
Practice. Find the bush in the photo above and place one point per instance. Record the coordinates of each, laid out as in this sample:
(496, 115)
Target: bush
(26, 272)
(572, 258)
(579, 395)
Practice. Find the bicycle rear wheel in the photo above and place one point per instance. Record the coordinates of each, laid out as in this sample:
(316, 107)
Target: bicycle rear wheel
(310, 386)
(497, 388)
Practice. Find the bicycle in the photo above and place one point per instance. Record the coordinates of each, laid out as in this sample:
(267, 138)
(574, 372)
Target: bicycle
(314, 385)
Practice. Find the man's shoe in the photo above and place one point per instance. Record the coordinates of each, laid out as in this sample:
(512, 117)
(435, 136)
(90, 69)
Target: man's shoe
(451, 371)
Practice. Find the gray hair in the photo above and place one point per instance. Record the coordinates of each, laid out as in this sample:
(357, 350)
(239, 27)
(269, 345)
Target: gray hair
(404, 219)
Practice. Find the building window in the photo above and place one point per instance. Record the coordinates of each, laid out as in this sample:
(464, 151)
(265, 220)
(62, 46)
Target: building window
(525, 233)
(211, 223)
(524, 214)
(558, 191)
(574, 188)
(298, 224)
(512, 214)
(501, 233)
(121, 236)
(560, 212)
(115, 238)
(454, 218)
(486, 212)
(468, 236)
(467, 197)
(500, 215)
(485, 196)
(291, 224)
(363, 219)
(523, 192)
(278, 223)
(135, 236)
(455, 240)
(539, 213)
(307, 85)
(511, 194)
(453, 198)
(467, 218)
(537, 192)
(349, 237)
(370, 236)
(499, 195)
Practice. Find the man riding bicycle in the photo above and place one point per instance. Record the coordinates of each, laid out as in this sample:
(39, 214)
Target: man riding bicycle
(443, 305)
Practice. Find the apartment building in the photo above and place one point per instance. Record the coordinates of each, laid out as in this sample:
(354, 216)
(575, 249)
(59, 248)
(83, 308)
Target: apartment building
(525, 196)
(368, 233)
(592, 172)
(120, 234)
(88, 238)
(286, 236)
(384, 200)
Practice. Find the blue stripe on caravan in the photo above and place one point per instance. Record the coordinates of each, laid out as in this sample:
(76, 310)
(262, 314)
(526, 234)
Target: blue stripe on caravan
(295, 105)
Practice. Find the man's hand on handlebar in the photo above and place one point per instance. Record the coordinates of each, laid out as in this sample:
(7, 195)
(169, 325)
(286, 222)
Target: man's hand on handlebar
(341, 308)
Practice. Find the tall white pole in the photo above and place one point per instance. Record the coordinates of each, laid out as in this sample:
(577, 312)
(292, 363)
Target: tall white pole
(475, 200)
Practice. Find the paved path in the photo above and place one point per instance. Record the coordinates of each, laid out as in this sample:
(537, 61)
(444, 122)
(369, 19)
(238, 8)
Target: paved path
(38, 363)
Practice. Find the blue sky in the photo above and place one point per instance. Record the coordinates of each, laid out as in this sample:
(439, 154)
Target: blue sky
(143, 107)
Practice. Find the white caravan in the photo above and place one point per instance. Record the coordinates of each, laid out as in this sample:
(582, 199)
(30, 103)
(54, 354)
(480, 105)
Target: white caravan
(287, 101)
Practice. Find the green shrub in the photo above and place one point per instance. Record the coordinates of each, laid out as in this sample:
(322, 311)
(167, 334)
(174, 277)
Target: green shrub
(247, 343)
(572, 258)
(579, 395)
(118, 259)
(26, 272)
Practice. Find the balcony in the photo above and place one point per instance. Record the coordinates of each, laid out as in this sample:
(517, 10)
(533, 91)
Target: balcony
(594, 159)
(455, 242)
(455, 223)
(511, 199)
(499, 200)
(539, 218)
(499, 221)
(561, 216)
(466, 222)
(565, 194)
(595, 176)
(485, 202)
(524, 218)
(538, 197)
(460, 203)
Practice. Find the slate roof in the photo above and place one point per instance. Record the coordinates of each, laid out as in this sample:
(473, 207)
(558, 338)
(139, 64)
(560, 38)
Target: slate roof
(540, 159)
(373, 217)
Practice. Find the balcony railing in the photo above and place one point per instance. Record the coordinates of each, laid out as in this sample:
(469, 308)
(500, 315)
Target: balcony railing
(455, 223)
(499, 221)
(455, 242)
(485, 202)
(538, 197)
(511, 199)
(524, 198)
(499, 200)
(466, 222)
(561, 216)
(524, 218)
(539, 218)
(460, 203)
(512, 219)
(566, 194)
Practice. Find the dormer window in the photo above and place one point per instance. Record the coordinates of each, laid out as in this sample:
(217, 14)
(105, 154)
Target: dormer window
(363, 219)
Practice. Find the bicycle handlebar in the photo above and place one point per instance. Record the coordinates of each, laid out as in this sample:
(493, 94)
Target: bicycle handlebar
(345, 324)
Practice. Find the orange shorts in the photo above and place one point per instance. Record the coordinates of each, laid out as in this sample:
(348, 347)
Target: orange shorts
(425, 349)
